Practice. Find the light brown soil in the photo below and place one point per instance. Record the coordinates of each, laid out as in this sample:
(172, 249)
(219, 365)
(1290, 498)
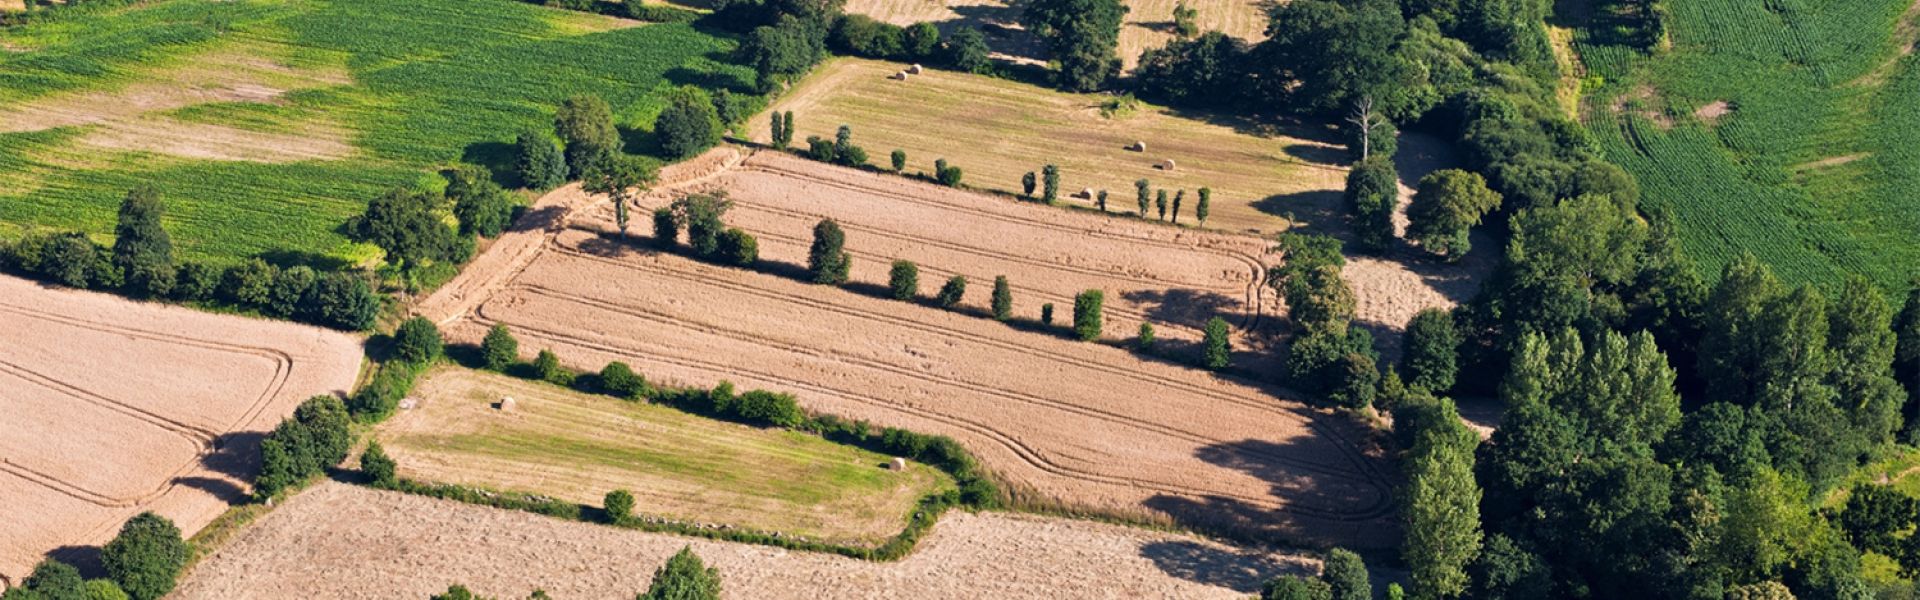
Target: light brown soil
(577, 447)
(1712, 111)
(117, 407)
(1085, 425)
(340, 541)
(1148, 23)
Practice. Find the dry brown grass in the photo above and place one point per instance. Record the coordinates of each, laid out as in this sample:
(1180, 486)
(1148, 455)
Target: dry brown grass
(1148, 24)
(577, 447)
(116, 407)
(342, 541)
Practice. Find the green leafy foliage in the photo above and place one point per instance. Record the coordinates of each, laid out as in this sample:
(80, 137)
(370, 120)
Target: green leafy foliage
(684, 577)
(538, 162)
(689, 124)
(619, 505)
(499, 349)
(1431, 358)
(1217, 347)
(1372, 196)
(1448, 204)
(952, 292)
(317, 436)
(1002, 298)
(827, 259)
(377, 466)
(903, 280)
(417, 341)
(1082, 36)
(146, 557)
(1087, 320)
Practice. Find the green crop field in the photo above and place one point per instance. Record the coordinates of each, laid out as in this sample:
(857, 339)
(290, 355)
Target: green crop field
(1786, 128)
(267, 123)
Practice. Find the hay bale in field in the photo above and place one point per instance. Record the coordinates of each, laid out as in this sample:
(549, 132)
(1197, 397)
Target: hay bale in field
(505, 404)
(1138, 147)
(914, 70)
(1085, 193)
(1165, 164)
(408, 403)
(901, 76)
(898, 464)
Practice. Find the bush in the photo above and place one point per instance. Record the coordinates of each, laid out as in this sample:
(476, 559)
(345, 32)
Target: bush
(967, 51)
(861, 35)
(1144, 341)
(377, 466)
(1346, 574)
(762, 407)
(844, 152)
(1046, 314)
(1002, 299)
(739, 248)
(538, 162)
(141, 248)
(1372, 195)
(1432, 352)
(55, 580)
(1317, 361)
(666, 228)
(899, 160)
(290, 288)
(1143, 192)
(317, 436)
(105, 589)
(546, 366)
(922, 39)
(1295, 587)
(619, 505)
(146, 557)
(499, 350)
(1027, 183)
(1086, 314)
(378, 398)
(249, 284)
(689, 124)
(684, 577)
(344, 301)
(954, 290)
(1359, 382)
(904, 280)
(1050, 184)
(948, 176)
(195, 282)
(619, 379)
(1219, 351)
(417, 341)
(827, 260)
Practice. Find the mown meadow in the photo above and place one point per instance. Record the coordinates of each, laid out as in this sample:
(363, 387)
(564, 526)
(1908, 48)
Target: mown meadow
(268, 123)
(1783, 128)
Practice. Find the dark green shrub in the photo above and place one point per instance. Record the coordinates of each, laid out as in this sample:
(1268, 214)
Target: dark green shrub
(684, 577)
(344, 301)
(827, 260)
(739, 248)
(1101, 202)
(146, 557)
(1346, 575)
(1140, 187)
(538, 162)
(619, 505)
(141, 248)
(1359, 382)
(904, 280)
(844, 152)
(377, 466)
(1295, 587)
(1160, 202)
(55, 580)
(499, 350)
(1433, 348)
(417, 341)
(1218, 347)
(290, 288)
(1027, 182)
(922, 39)
(954, 290)
(666, 228)
(1372, 195)
(762, 407)
(899, 160)
(195, 282)
(689, 124)
(948, 176)
(1317, 361)
(1050, 184)
(861, 35)
(546, 366)
(967, 51)
(1002, 299)
(1046, 314)
(1205, 206)
(820, 149)
(619, 379)
(382, 394)
(249, 283)
(1086, 314)
(658, 13)
(1144, 341)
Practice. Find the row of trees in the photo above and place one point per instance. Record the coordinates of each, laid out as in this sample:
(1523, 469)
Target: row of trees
(965, 50)
(683, 577)
(1146, 195)
(143, 562)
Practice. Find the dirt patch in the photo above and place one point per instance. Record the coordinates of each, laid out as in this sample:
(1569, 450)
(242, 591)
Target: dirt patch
(1045, 412)
(1829, 162)
(1643, 101)
(1712, 111)
(340, 541)
(1906, 35)
(577, 447)
(122, 407)
(134, 117)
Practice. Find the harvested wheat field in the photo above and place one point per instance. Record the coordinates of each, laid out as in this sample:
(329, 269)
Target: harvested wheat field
(1148, 23)
(1258, 173)
(340, 541)
(1088, 426)
(118, 407)
(577, 447)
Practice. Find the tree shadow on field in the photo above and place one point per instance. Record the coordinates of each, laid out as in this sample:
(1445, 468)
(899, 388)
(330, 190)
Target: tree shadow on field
(498, 158)
(1313, 211)
(222, 489)
(1334, 156)
(1184, 306)
(1240, 571)
(84, 558)
(235, 454)
(287, 259)
(1337, 492)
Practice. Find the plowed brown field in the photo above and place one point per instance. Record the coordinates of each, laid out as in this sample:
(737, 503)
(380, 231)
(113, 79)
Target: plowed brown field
(115, 407)
(1086, 426)
(340, 541)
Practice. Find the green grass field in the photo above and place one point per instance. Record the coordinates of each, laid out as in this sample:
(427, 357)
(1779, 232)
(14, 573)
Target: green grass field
(1813, 161)
(577, 447)
(268, 123)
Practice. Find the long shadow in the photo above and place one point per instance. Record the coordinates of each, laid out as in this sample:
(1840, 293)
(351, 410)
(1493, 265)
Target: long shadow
(1001, 24)
(1239, 571)
(1313, 211)
(235, 454)
(498, 158)
(1332, 156)
(84, 558)
(708, 80)
(285, 259)
(1183, 306)
(1353, 511)
(223, 489)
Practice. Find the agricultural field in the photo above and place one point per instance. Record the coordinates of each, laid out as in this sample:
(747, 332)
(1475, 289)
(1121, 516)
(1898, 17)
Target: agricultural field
(1783, 129)
(577, 447)
(115, 407)
(1148, 24)
(341, 541)
(1040, 410)
(267, 123)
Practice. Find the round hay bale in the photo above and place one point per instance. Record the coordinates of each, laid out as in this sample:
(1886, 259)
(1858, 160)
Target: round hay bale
(1085, 193)
(1166, 164)
(915, 69)
(1138, 147)
(505, 404)
(897, 464)
(901, 76)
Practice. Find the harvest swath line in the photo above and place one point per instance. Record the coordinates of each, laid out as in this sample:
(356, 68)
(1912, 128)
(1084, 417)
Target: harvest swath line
(1365, 473)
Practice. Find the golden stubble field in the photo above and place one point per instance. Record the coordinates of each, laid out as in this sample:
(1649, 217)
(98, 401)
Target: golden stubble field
(116, 407)
(341, 541)
(1148, 24)
(1090, 427)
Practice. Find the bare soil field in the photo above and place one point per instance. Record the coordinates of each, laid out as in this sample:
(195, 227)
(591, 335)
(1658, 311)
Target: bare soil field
(1148, 23)
(1086, 426)
(341, 541)
(118, 407)
(577, 447)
